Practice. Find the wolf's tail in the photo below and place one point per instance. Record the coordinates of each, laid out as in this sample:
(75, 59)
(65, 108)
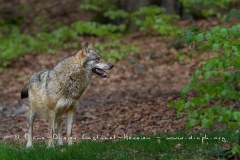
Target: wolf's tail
(24, 93)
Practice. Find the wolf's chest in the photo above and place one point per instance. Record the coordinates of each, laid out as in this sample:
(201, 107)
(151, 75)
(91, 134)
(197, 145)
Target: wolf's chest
(77, 85)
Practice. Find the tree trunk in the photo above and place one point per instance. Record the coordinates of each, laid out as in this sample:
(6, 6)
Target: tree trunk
(133, 5)
(171, 6)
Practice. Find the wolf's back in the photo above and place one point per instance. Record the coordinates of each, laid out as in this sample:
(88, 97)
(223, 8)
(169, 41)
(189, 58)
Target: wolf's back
(35, 78)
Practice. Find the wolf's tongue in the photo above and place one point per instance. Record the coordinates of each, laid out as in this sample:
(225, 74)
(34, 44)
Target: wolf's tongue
(102, 72)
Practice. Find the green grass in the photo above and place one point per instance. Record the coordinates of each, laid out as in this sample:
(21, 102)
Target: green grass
(127, 149)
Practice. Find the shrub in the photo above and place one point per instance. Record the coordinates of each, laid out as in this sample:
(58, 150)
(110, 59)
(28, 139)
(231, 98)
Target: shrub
(96, 29)
(154, 18)
(15, 44)
(216, 83)
(215, 86)
(145, 18)
(115, 50)
(207, 8)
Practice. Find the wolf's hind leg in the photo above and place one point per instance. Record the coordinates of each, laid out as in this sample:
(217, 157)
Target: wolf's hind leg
(51, 123)
(59, 131)
(31, 119)
(70, 116)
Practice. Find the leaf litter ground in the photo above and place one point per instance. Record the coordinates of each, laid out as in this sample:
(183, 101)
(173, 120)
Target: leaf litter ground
(133, 100)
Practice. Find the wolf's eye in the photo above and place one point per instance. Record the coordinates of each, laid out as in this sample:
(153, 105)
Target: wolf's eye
(97, 59)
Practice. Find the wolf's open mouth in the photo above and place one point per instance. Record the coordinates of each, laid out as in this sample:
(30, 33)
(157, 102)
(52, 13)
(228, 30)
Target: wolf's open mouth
(100, 72)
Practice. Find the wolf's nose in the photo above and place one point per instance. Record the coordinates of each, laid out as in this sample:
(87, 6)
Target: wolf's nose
(111, 65)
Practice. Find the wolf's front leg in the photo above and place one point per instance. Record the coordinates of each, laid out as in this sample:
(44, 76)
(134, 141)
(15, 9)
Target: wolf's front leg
(52, 117)
(31, 119)
(70, 116)
(59, 130)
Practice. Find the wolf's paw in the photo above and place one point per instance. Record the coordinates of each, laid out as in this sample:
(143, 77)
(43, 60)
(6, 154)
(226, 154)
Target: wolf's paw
(70, 142)
(29, 145)
(50, 144)
(60, 143)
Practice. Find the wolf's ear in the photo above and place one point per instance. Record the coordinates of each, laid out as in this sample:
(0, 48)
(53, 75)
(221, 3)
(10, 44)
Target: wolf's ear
(87, 45)
(90, 45)
(80, 54)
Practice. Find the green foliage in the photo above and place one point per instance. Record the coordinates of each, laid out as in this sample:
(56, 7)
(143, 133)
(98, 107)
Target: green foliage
(236, 149)
(115, 14)
(218, 3)
(154, 18)
(96, 29)
(145, 18)
(232, 13)
(90, 7)
(207, 7)
(216, 84)
(15, 44)
(115, 50)
(99, 6)
(104, 9)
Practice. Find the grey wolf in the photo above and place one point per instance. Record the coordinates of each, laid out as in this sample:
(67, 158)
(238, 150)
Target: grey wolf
(55, 92)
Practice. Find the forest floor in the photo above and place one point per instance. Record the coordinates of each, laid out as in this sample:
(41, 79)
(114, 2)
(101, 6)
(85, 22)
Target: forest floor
(133, 100)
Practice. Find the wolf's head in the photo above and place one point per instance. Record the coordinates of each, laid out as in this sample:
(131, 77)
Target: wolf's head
(92, 61)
